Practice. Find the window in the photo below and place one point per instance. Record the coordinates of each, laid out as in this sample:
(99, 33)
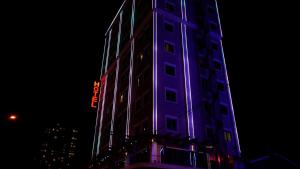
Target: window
(122, 98)
(170, 69)
(209, 132)
(171, 123)
(217, 65)
(214, 46)
(141, 57)
(213, 26)
(170, 7)
(142, 77)
(220, 86)
(211, 10)
(227, 136)
(170, 95)
(169, 47)
(205, 84)
(223, 109)
(168, 27)
(207, 106)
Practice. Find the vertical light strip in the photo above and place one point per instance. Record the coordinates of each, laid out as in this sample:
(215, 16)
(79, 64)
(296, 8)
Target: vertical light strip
(231, 104)
(98, 108)
(103, 56)
(227, 80)
(154, 68)
(116, 85)
(104, 94)
(186, 68)
(127, 132)
(220, 26)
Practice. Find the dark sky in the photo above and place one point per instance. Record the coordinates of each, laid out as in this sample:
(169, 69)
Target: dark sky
(50, 55)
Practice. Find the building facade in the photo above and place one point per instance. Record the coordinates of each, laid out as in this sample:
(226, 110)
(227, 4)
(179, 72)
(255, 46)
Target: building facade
(59, 148)
(164, 96)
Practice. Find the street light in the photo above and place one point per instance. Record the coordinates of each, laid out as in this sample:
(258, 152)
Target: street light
(12, 117)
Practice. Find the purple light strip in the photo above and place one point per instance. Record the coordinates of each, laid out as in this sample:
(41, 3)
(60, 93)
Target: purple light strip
(104, 94)
(116, 83)
(220, 27)
(186, 67)
(154, 67)
(98, 108)
(231, 104)
(130, 73)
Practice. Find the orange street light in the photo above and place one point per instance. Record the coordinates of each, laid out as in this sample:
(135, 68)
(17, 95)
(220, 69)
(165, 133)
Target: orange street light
(13, 117)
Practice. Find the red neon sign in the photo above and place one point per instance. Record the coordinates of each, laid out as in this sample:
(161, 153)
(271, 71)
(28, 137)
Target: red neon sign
(95, 94)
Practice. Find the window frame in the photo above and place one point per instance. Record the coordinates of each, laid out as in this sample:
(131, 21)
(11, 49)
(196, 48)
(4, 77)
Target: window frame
(166, 22)
(172, 90)
(171, 65)
(171, 118)
(170, 43)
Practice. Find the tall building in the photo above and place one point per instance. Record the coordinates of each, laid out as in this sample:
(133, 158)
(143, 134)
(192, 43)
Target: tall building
(164, 95)
(59, 148)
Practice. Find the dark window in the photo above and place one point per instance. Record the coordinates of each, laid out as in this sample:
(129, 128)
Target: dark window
(170, 70)
(147, 98)
(171, 124)
(217, 65)
(168, 27)
(206, 106)
(209, 132)
(205, 84)
(220, 86)
(214, 46)
(219, 124)
(223, 109)
(227, 136)
(211, 10)
(169, 7)
(169, 47)
(143, 77)
(213, 26)
(139, 104)
(170, 95)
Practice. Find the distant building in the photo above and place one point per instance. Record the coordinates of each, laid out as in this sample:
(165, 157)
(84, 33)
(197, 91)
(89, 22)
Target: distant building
(59, 147)
(164, 98)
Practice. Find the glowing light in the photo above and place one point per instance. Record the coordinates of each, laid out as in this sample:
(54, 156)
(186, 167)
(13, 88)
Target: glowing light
(130, 72)
(116, 83)
(219, 159)
(154, 118)
(13, 117)
(95, 94)
(189, 104)
(104, 93)
(230, 99)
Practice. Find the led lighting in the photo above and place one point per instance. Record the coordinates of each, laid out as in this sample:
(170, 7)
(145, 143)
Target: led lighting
(116, 82)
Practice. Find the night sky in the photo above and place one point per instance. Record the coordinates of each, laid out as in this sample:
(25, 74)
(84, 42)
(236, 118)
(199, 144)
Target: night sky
(51, 54)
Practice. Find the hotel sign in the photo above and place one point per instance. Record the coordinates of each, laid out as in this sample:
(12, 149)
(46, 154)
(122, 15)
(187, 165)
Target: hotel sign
(95, 94)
